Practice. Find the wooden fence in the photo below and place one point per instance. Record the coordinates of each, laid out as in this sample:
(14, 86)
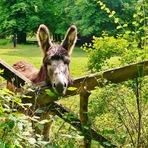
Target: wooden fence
(84, 85)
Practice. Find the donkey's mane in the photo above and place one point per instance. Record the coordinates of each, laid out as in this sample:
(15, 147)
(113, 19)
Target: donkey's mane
(59, 54)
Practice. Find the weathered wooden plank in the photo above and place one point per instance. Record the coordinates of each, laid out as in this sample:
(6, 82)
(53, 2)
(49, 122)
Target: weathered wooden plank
(11, 74)
(116, 75)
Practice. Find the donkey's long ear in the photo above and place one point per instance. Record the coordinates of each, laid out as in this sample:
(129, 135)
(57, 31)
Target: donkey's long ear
(43, 37)
(70, 39)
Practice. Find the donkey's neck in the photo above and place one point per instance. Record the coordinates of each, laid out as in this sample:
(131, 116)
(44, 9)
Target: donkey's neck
(41, 75)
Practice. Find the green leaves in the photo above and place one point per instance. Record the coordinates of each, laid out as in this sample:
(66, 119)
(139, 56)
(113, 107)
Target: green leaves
(71, 88)
(119, 27)
(107, 10)
(52, 94)
(116, 20)
(11, 124)
(125, 25)
(106, 132)
(135, 23)
(112, 14)
(103, 6)
(1, 71)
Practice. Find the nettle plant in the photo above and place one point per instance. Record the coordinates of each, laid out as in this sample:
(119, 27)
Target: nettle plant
(127, 47)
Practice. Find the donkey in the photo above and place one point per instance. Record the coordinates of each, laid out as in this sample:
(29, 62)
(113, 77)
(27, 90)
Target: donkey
(56, 59)
(55, 67)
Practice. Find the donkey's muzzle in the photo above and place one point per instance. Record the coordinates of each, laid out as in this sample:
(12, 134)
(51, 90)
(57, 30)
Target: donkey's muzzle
(60, 87)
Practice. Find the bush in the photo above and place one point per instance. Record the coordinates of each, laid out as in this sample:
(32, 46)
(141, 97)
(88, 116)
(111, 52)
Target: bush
(109, 52)
(4, 41)
(129, 47)
(104, 48)
(123, 115)
(16, 128)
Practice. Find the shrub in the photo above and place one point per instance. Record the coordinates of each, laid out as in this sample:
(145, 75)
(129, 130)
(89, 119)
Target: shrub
(15, 127)
(129, 47)
(104, 48)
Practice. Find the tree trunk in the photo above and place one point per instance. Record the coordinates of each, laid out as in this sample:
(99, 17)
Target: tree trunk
(21, 37)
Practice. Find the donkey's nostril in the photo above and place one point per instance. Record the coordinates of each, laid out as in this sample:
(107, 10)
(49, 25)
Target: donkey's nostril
(60, 88)
(64, 84)
(54, 85)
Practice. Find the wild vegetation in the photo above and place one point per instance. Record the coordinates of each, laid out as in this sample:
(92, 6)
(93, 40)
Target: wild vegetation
(121, 107)
(24, 17)
(118, 32)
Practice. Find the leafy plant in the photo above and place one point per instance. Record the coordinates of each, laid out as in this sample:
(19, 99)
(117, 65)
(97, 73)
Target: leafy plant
(16, 128)
(129, 46)
(104, 48)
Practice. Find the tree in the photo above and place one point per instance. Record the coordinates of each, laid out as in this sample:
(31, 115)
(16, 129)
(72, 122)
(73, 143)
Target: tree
(89, 18)
(25, 16)
(19, 17)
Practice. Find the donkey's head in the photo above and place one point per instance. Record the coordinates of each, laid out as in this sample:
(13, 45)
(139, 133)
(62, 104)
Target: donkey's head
(57, 57)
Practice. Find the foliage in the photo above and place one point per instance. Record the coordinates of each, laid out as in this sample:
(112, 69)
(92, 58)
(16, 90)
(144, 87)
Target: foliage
(15, 127)
(104, 48)
(127, 47)
(118, 115)
(19, 17)
(25, 16)
(121, 108)
(118, 112)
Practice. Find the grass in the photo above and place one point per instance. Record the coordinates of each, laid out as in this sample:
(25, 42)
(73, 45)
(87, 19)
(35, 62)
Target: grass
(32, 54)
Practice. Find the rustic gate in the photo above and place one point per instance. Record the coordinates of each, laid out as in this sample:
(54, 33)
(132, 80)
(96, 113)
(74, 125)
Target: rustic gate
(84, 85)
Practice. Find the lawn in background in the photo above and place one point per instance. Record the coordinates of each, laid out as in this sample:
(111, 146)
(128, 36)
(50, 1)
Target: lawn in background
(33, 54)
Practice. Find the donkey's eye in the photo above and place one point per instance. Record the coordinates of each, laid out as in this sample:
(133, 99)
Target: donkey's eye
(66, 62)
(49, 63)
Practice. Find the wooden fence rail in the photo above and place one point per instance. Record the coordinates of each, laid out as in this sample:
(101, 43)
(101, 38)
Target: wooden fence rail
(83, 85)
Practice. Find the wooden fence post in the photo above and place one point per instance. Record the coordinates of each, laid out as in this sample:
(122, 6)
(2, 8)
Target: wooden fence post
(84, 96)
